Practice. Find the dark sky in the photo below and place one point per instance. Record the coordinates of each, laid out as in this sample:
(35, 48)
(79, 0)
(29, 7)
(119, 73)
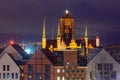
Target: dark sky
(22, 20)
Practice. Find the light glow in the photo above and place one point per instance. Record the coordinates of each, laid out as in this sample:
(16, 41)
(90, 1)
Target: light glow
(11, 42)
(28, 51)
(66, 11)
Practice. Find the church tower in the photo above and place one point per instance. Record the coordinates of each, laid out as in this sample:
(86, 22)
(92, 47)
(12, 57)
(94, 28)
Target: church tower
(67, 27)
(44, 36)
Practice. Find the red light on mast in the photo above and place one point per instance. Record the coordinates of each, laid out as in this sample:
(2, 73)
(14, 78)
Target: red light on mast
(11, 42)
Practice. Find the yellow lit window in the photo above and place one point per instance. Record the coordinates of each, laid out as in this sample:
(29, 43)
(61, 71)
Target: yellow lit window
(63, 78)
(63, 70)
(58, 78)
(58, 70)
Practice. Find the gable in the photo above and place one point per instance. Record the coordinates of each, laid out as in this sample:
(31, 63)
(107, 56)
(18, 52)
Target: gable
(36, 57)
(7, 60)
(12, 51)
(103, 57)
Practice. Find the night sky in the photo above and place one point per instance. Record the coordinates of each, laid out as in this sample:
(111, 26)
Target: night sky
(22, 20)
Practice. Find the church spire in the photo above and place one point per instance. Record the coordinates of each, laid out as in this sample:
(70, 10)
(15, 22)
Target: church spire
(53, 33)
(86, 30)
(86, 39)
(44, 30)
(58, 38)
(58, 32)
(44, 36)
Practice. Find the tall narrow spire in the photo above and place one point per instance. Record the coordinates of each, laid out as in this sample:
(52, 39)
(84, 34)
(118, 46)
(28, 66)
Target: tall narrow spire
(58, 32)
(86, 30)
(44, 36)
(44, 30)
(86, 39)
(58, 38)
(53, 33)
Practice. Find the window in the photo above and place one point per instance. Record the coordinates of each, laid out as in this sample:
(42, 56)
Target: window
(47, 72)
(12, 75)
(100, 67)
(8, 67)
(4, 67)
(16, 75)
(58, 78)
(4, 75)
(106, 75)
(47, 68)
(113, 75)
(63, 78)
(29, 77)
(8, 75)
(101, 75)
(106, 66)
(111, 66)
(38, 76)
(63, 70)
(58, 70)
(106, 71)
(30, 69)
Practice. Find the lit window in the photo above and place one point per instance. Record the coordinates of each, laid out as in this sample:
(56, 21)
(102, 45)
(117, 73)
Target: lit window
(63, 70)
(30, 77)
(63, 78)
(58, 70)
(58, 78)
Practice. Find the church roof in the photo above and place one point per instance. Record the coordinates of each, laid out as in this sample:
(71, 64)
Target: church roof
(51, 42)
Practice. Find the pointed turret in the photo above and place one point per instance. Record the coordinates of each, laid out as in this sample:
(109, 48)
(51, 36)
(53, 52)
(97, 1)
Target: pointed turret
(86, 31)
(58, 38)
(58, 32)
(86, 39)
(44, 30)
(53, 33)
(97, 41)
(44, 36)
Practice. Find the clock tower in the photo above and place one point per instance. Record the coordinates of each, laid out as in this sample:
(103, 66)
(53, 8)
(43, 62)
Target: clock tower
(67, 27)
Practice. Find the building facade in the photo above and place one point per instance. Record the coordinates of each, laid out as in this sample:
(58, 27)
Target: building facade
(102, 66)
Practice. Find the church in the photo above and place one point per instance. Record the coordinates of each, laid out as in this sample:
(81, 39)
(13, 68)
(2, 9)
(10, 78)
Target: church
(63, 58)
(66, 37)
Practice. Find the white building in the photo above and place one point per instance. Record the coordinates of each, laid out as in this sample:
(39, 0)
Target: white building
(102, 66)
(9, 70)
(12, 60)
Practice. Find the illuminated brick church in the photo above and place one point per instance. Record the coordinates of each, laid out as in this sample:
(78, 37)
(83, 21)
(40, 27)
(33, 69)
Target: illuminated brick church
(64, 58)
(66, 37)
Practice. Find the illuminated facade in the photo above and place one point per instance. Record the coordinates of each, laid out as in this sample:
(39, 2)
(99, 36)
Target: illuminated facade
(66, 38)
